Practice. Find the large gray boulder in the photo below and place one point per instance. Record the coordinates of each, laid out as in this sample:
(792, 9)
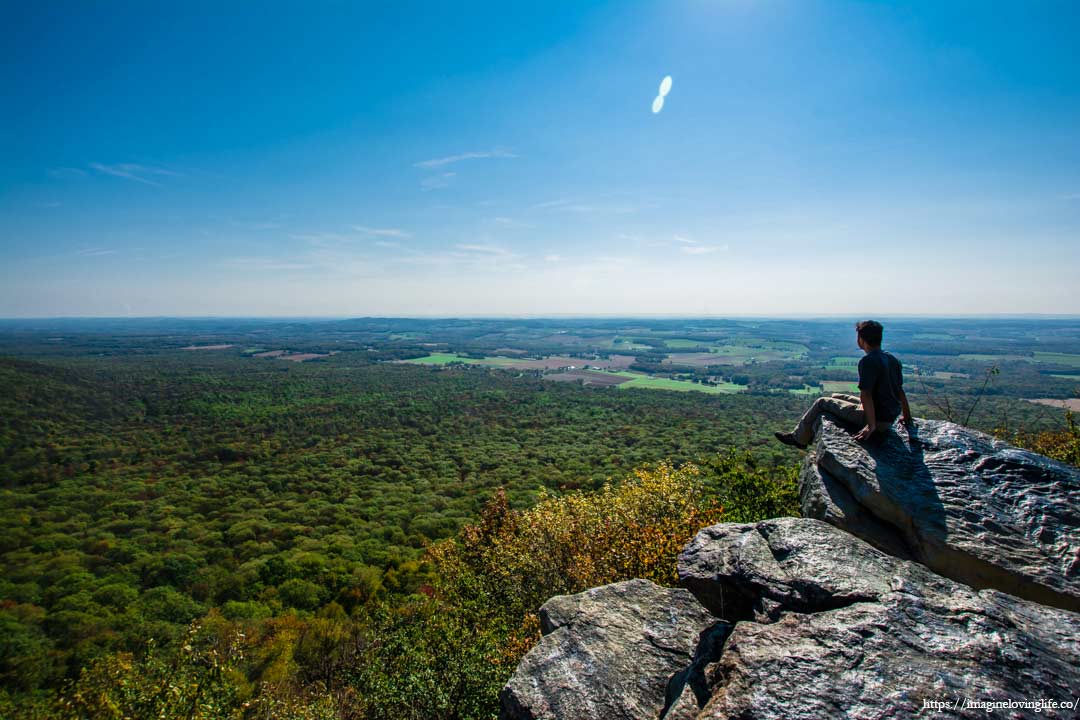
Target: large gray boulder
(967, 506)
(836, 628)
(965, 594)
(610, 653)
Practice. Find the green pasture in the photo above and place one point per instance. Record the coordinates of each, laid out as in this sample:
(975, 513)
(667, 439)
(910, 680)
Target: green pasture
(839, 386)
(763, 350)
(983, 357)
(621, 343)
(1058, 358)
(638, 380)
(447, 358)
(437, 359)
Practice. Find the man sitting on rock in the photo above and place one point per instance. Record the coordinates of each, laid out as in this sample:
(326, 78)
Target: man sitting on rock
(881, 394)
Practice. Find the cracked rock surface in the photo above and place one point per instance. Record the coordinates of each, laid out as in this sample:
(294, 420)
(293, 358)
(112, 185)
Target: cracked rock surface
(608, 653)
(967, 506)
(806, 621)
(945, 567)
(839, 628)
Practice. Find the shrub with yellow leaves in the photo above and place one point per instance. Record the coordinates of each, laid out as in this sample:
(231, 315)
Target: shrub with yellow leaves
(1062, 444)
(567, 543)
(512, 561)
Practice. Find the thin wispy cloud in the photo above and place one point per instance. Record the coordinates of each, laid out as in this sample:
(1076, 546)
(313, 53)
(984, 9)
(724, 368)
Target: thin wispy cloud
(509, 223)
(382, 232)
(702, 249)
(94, 252)
(320, 238)
(551, 204)
(266, 263)
(464, 258)
(552, 258)
(577, 206)
(687, 245)
(436, 182)
(617, 260)
(451, 159)
(491, 249)
(134, 171)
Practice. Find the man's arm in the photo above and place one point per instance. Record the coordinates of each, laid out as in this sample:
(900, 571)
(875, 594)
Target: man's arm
(871, 420)
(904, 407)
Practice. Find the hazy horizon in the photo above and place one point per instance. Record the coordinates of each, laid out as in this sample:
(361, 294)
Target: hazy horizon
(561, 316)
(812, 159)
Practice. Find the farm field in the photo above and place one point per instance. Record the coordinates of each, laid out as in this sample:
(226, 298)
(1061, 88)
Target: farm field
(626, 344)
(995, 358)
(1038, 356)
(1058, 358)
(839, 386)
(447, 358)
(638, 380)
(733, 354)
(291, 356)
(303, 357)
(703, 359)
(588, 377)
(550, 363)
(684, 343)
(1065, 404)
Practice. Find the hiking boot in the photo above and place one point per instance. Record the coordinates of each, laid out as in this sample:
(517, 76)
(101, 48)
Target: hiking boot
(789, 439)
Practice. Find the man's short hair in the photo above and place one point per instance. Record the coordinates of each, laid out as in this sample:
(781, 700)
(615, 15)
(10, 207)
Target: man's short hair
(869, 331)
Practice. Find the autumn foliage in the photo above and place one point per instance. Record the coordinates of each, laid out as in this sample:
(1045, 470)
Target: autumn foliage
(444, 651)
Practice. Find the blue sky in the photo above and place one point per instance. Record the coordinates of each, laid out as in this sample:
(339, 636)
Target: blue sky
(408, 158)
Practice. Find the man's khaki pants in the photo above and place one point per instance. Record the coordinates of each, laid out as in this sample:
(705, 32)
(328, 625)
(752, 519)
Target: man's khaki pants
(846, 407)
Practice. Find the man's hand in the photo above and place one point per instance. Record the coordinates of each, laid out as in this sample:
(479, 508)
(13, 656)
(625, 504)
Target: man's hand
(865, 432)
(909, 426)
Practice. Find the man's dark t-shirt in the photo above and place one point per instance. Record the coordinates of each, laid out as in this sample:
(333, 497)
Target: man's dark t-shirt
(879, 372)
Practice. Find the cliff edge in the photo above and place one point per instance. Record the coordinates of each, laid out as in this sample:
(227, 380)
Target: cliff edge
(943, 569)
(965, 505)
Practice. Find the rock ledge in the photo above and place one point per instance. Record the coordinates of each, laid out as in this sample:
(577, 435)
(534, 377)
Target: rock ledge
(967, 506)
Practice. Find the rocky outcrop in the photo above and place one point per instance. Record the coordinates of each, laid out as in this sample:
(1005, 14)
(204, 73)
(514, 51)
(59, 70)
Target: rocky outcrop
(820, 624)
(963, 589)
(839, 628)
(611, 652)
(967, 506)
